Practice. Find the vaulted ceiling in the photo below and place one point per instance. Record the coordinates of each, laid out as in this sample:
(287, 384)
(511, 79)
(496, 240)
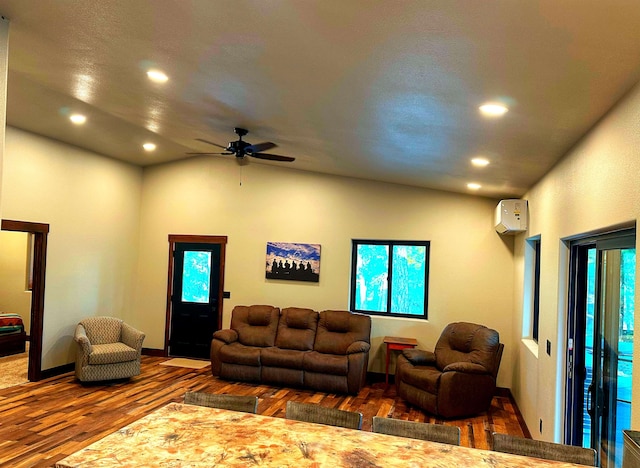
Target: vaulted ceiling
(382, 90)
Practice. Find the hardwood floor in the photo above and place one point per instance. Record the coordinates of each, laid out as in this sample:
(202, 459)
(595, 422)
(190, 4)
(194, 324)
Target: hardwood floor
(43, 422)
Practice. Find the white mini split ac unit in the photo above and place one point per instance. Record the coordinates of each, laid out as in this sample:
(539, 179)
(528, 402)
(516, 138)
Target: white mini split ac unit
(511, 216)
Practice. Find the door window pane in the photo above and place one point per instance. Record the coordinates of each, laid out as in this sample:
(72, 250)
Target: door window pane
(624, 369)
(196, 276)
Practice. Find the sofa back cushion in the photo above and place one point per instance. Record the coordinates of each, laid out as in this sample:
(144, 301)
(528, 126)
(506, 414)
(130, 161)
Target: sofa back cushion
(256, 325)
(337, 329)
(467, 342)
(297, 329)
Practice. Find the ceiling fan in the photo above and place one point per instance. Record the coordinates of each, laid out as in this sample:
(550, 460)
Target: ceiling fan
(241, 148)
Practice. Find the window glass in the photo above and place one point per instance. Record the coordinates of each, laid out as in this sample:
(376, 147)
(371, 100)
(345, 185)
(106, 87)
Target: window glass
(535, 326)
(409, 268)
(390, 277)
(371, 277)
(196, 275)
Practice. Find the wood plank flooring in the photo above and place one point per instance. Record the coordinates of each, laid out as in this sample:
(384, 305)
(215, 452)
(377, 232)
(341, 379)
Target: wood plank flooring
(43, 422)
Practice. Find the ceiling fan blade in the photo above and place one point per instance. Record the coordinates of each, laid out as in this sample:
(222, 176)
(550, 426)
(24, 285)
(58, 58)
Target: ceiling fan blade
(211, 143)
(267, 145)
(209, 153)
(272, 157)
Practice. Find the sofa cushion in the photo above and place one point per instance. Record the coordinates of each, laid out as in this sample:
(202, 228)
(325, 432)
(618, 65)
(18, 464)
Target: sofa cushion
(237, 353)
(337, 329)
(282, 376)
(277, 357)
(423, 377)
(256, 325)
(297, 329)
(111, 353)
(325, 363)
(467, 342)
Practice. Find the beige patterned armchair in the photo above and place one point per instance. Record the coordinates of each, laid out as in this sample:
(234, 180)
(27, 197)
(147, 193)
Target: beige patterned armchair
(107, 349)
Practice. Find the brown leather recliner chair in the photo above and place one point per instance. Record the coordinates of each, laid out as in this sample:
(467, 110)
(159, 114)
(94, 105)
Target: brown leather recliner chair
(458, 378)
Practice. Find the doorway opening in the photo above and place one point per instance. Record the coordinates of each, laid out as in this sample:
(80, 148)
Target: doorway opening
(40, 232)
(194, 294)
(600, 343)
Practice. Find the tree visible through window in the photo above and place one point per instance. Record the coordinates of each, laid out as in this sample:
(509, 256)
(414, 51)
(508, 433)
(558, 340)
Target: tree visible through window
(390, 277)
(196, 276)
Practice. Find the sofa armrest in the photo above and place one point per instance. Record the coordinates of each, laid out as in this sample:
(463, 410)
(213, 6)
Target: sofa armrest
(132, 337)
(420, 357)
(228, 336)
(358, 347)
(466, 367)
(83, 341)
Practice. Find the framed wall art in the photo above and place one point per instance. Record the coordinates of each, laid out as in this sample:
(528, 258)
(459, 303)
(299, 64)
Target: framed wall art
(293, 262)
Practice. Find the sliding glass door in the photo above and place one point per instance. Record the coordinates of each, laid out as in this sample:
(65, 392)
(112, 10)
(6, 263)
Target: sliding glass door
(601, 344)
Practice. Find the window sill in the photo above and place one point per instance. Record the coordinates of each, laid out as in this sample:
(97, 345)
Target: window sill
(531, 345)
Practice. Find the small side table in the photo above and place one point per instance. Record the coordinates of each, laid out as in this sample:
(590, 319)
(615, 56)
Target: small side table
(395, 343)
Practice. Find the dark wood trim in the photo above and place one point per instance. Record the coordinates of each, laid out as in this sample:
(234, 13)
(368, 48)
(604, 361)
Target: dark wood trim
(154, 352)
(193, 239)
(40, 232)
(23, 226)
(59, 370)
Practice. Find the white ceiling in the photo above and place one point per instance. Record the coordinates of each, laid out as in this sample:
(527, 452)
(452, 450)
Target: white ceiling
(382, 90)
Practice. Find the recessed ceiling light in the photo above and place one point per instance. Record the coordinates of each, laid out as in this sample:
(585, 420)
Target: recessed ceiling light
(149, 146)
(77, 119)
(493, 109)
(480, 162)
(157, 76)
(473, 186)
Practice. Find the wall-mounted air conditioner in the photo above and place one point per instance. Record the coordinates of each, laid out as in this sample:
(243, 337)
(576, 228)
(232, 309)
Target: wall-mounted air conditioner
(511, 216)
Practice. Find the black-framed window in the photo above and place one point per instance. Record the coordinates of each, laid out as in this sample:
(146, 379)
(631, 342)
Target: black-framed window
(535, 304)
(390, 277)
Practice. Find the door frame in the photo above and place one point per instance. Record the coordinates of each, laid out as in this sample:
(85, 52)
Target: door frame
(192, 239)
(40, 232)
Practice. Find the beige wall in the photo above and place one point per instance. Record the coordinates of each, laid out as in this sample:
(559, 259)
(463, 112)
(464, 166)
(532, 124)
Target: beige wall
(471, 275)
(14, 294)
(591, 189)
(92, 205)
(4, 57)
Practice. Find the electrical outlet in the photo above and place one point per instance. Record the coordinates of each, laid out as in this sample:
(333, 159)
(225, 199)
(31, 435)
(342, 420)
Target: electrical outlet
(540, 425)
(549, 347)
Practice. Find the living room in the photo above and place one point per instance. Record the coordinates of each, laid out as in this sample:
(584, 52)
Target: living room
(110, 220)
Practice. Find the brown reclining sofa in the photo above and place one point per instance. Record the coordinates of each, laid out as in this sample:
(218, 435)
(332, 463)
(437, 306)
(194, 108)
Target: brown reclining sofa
(296, 347)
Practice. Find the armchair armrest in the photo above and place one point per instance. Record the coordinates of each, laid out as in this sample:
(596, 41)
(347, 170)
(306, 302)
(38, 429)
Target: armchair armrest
(466, 367)
(358, 347)
(420, 357)
(81, 338)
(132, 337)
(228, 336)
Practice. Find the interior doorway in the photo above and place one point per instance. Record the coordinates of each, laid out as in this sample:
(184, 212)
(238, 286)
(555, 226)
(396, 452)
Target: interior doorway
(194, 294)
(600, 343)
(40, 232)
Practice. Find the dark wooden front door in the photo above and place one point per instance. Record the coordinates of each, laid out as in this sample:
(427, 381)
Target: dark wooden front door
(195, 300)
